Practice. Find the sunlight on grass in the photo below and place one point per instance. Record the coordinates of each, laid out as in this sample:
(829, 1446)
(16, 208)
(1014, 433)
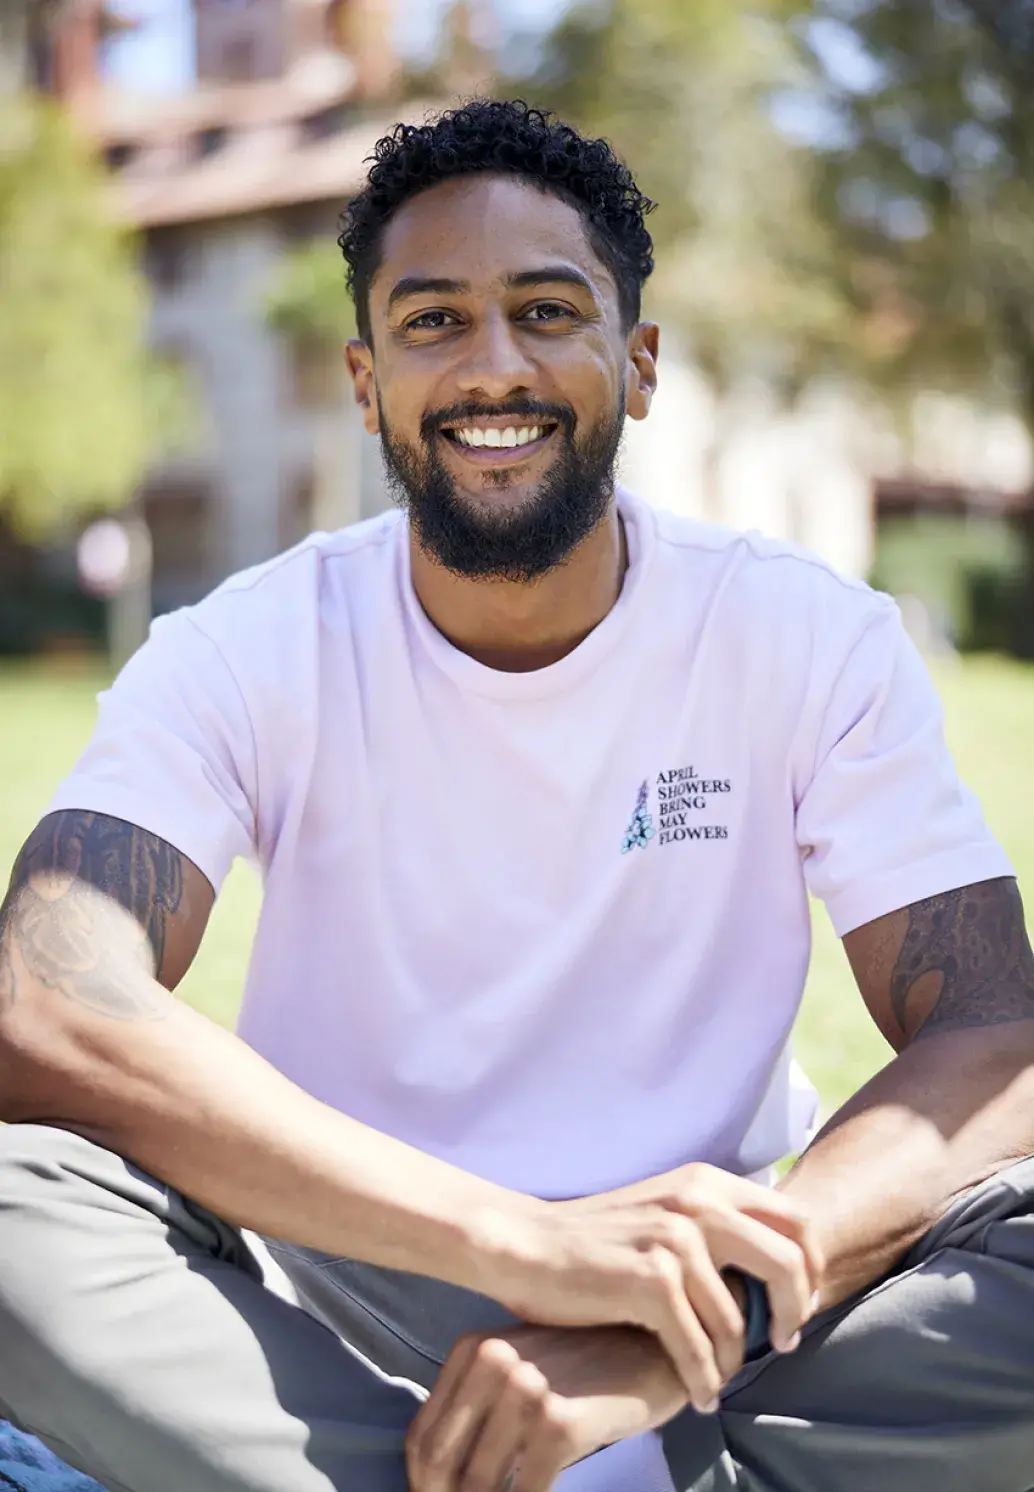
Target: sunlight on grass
(46, 717)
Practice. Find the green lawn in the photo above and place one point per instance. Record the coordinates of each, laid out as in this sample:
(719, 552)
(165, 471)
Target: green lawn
(45, 717)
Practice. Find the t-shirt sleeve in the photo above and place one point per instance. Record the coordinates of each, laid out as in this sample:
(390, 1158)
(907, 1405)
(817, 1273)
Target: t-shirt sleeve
(173, 750)
(884, 820)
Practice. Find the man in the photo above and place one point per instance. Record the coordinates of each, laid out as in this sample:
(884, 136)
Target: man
(537, 780)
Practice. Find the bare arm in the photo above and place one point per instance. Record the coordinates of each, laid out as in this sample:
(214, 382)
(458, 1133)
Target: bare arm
(63, 934)
(100, 922)
(102, 919)
(950, 983)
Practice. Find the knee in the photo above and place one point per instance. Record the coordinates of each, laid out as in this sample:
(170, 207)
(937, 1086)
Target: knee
(59, 1192)
(34, 1148)
(38, 1172)
(60, 1208)
(32, 1160)
(40, 1168)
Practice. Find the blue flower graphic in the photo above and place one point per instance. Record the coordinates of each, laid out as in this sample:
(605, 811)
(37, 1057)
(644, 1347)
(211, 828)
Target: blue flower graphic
(641, 830)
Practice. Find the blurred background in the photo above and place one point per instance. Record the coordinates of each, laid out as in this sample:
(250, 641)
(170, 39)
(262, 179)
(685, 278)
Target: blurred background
(845, 287)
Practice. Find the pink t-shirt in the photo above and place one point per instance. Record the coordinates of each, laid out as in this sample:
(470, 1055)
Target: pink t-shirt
(550, 926)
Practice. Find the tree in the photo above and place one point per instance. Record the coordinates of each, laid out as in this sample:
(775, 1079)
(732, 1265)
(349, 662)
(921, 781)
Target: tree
(307, 299)
(930, 188)
(82, 404)
(685, 93)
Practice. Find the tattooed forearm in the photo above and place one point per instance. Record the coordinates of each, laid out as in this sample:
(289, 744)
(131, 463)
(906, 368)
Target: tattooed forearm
(965, 960)
(87, 914)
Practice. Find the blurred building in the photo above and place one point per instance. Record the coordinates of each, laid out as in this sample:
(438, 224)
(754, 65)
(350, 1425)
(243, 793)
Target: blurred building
(839, 473)
(260, 156)
(222, 181)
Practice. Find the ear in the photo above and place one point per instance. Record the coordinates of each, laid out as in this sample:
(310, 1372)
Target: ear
(359, 360)
(642, 379)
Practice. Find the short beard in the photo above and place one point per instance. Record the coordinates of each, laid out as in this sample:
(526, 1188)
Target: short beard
(526, 542)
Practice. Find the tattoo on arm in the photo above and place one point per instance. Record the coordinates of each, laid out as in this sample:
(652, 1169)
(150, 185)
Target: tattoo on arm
(968, 950)
(6, 971)
(64, 920)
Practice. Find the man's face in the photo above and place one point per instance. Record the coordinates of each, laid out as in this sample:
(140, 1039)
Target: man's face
(501, 376)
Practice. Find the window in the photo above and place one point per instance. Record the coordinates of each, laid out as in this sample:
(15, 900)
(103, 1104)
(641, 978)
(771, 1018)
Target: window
(179, 519)
(168, 255)
(301, 222)
(210, 140)
(238, 59)
(325, 122)
(120, 154)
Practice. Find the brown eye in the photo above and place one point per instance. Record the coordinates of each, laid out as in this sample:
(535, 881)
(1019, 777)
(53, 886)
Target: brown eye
(546, 310)
(428, 321)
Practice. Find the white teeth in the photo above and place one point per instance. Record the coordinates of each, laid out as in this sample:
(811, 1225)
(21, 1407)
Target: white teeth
(472, 435)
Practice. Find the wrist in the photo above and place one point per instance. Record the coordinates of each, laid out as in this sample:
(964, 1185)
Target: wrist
(498, 1244)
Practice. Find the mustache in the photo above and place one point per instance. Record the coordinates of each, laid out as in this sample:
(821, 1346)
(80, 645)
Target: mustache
(537, 411)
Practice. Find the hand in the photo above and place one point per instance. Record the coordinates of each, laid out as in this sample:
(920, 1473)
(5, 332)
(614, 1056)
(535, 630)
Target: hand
(651, 1255)
(531, 1400)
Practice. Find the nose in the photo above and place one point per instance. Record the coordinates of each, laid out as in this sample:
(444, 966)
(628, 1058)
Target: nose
(495, 364)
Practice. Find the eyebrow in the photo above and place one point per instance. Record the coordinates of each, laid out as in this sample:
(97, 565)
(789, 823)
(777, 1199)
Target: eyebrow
(550, 274)
(425, 285)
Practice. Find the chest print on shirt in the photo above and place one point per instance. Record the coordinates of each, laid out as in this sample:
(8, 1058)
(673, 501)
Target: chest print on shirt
(682, 794)
(641, 830)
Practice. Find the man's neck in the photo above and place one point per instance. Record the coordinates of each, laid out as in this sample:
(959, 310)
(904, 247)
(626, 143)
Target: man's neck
(518, 626)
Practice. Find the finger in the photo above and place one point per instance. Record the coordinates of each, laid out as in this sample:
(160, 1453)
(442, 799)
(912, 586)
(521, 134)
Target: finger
(436, 1405)
(717, 1311)
(795, 1226)
(545, 1455)
(669, 1315)
(506, 1430)
(773, 1258)
(446, 1426)
(765, 1204)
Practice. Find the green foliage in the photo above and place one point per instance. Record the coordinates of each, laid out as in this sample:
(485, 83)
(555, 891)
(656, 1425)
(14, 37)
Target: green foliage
(932, 196)
(79, 398)
(308, 299)
(961, 568)
(931, 190)
(683, 92)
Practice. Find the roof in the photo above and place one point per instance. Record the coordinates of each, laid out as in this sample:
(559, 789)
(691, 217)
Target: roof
(223, 151)
(907, 494)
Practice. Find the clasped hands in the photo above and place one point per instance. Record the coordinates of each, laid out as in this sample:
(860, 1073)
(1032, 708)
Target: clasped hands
(649, 1274)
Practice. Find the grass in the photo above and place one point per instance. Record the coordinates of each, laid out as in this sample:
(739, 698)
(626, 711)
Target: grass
(46, 717)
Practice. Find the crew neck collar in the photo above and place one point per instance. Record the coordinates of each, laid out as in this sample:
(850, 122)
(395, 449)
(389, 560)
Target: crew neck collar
(576, 665)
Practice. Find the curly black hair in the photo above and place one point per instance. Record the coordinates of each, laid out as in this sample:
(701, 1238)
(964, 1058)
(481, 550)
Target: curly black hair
(506, 136)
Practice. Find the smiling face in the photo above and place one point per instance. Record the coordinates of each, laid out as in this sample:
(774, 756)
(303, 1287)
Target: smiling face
(500, 374)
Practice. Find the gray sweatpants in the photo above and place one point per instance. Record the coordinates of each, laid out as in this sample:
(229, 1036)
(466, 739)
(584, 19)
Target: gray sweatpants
(159, 1349)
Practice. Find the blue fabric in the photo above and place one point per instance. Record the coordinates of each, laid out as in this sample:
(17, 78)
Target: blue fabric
(28, 1466)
